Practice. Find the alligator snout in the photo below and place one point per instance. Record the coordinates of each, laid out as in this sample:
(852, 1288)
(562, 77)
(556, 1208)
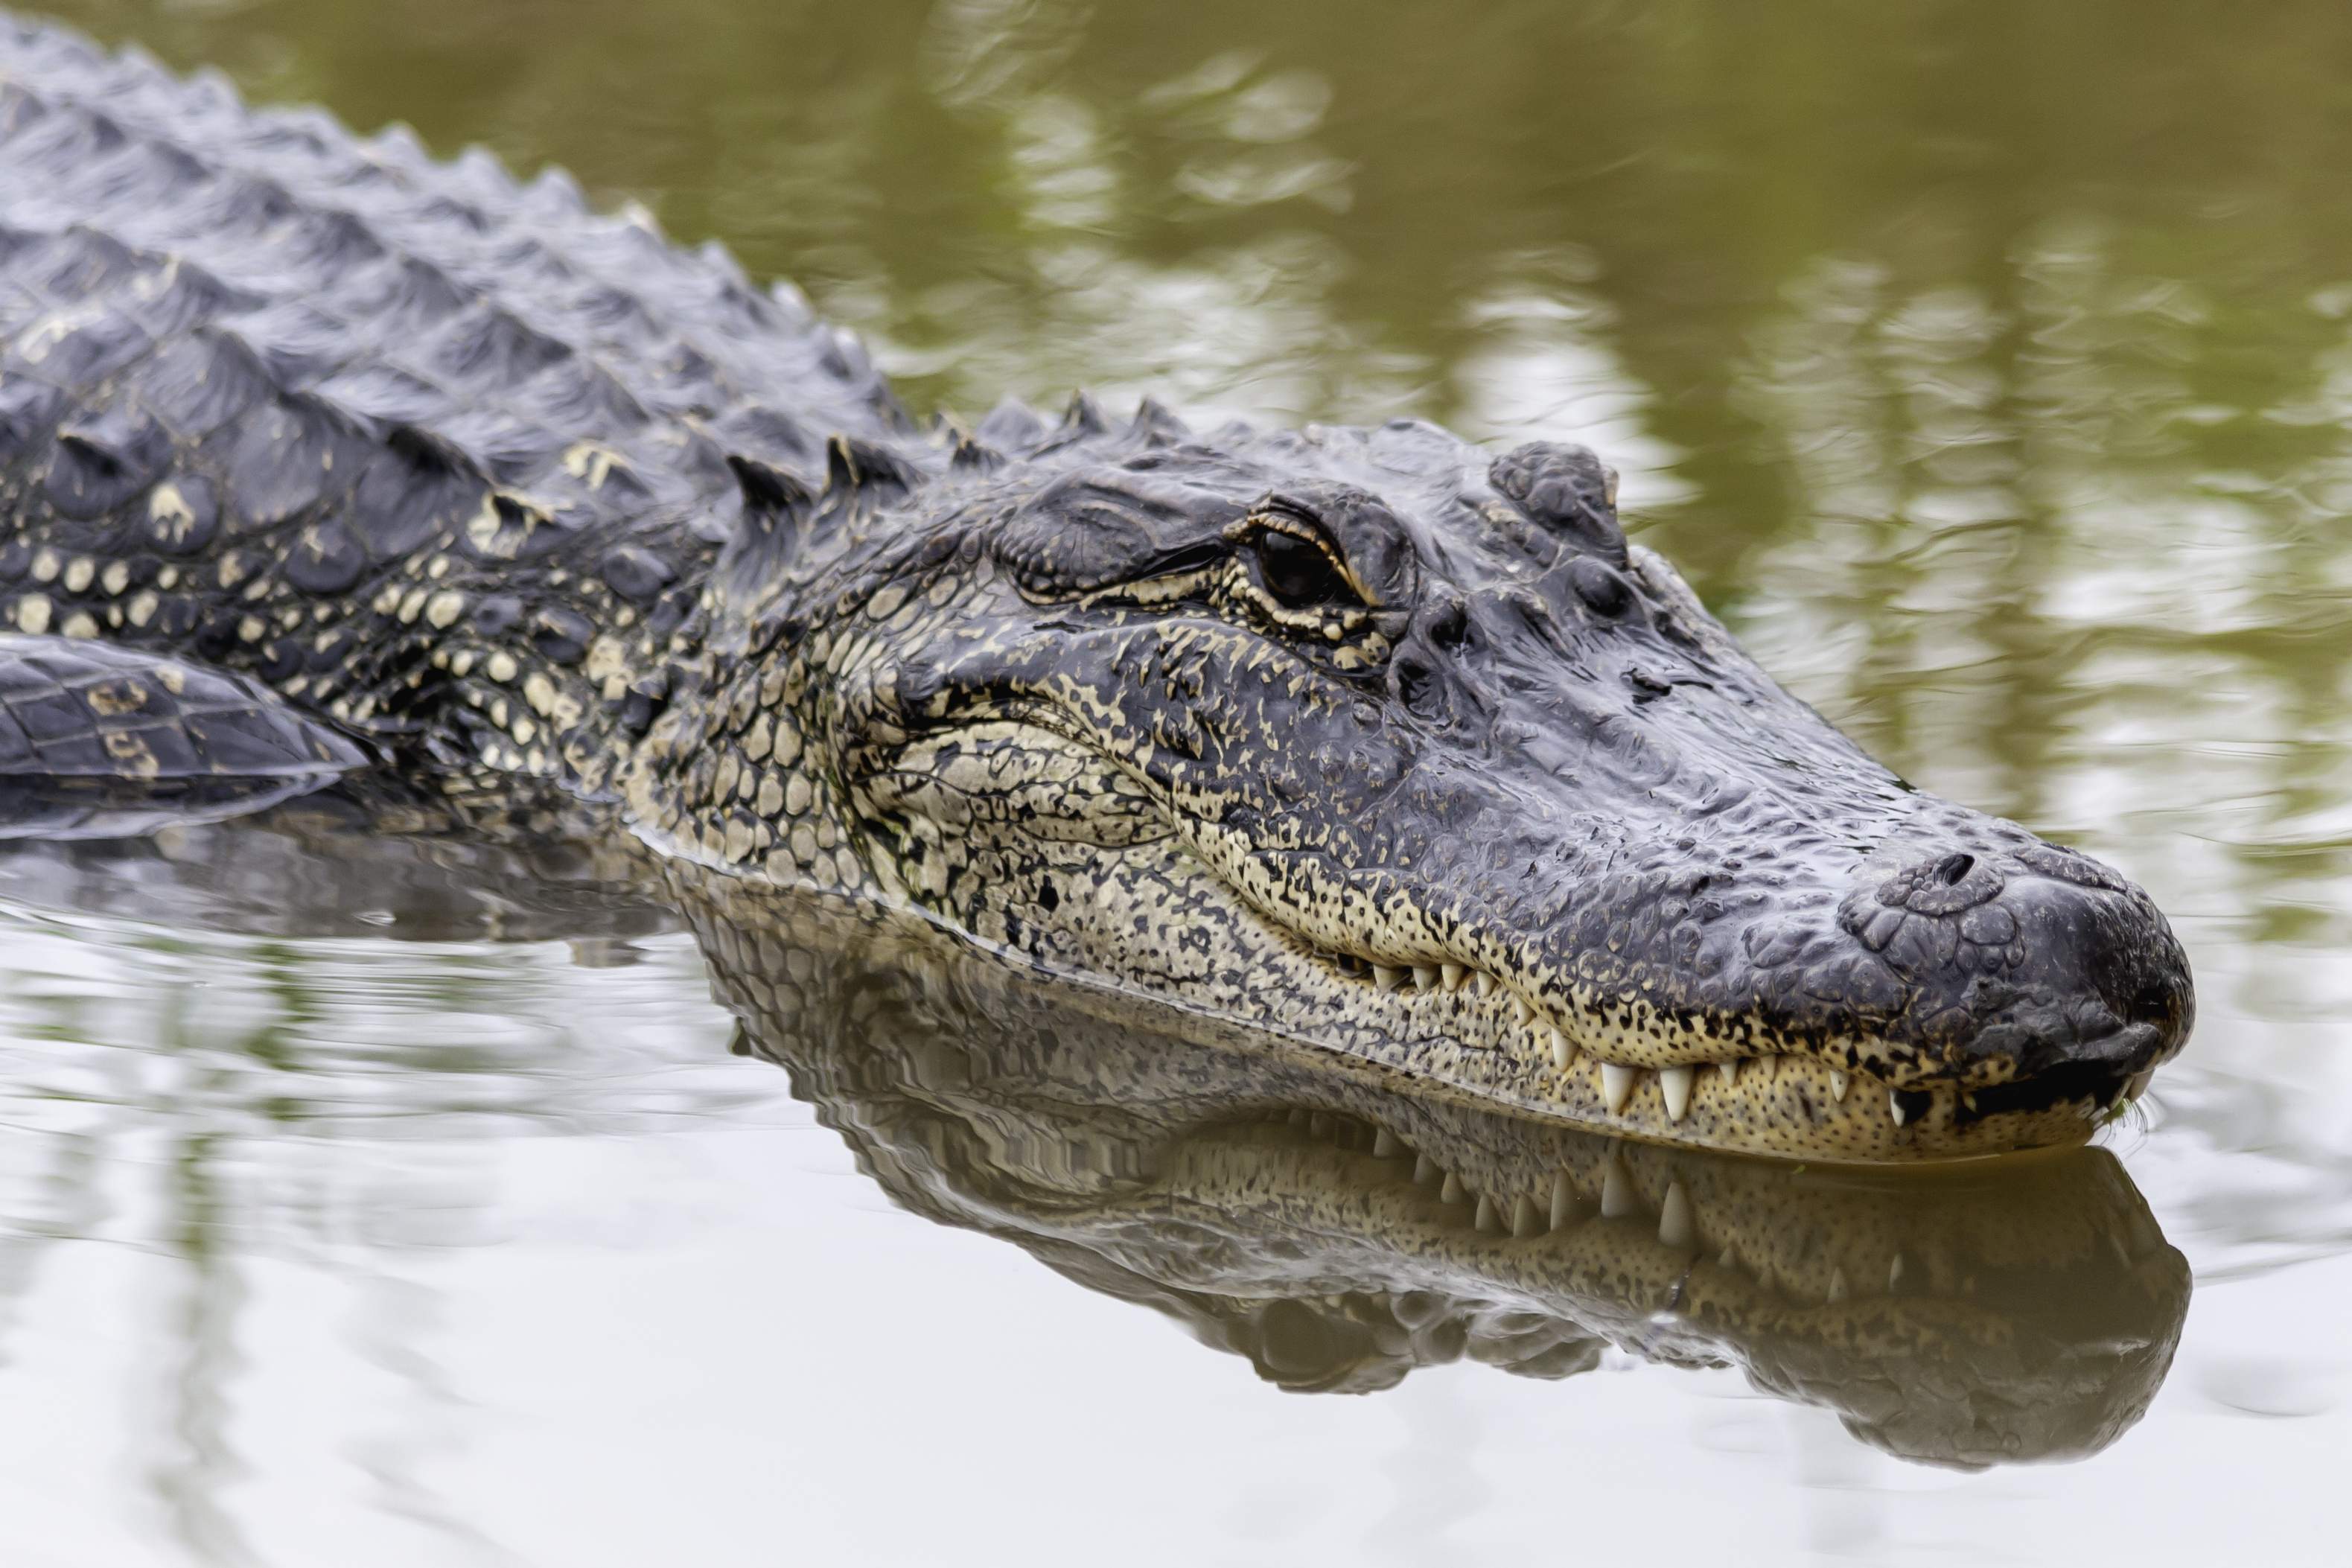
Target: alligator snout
(2027, 964)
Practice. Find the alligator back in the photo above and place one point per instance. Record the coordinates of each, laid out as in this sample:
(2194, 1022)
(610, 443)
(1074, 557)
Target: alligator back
(273, 395)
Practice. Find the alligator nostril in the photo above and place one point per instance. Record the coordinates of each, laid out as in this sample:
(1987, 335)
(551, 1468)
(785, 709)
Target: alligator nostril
(1604, 593)
(1420, 688)
(1449, 626)
(1952, 868)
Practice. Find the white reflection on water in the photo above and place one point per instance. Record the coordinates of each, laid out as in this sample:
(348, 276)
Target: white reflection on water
(228, 1161)
(1545, 371)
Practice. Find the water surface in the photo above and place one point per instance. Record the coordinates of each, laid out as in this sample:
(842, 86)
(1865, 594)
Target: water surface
(1988, 368)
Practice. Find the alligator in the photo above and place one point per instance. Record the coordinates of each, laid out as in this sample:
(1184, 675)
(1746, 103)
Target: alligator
(1336, 1234)
(1367, 742)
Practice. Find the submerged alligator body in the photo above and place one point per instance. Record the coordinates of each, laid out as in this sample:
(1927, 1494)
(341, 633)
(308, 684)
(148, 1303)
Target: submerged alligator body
(1364, 740)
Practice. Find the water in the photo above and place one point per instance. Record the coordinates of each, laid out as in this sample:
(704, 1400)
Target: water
(1989, 368)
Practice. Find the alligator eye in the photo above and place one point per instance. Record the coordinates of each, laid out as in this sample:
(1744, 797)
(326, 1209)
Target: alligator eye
(1299, 574)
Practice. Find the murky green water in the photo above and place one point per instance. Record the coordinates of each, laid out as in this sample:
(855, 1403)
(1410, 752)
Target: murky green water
(1989, 368)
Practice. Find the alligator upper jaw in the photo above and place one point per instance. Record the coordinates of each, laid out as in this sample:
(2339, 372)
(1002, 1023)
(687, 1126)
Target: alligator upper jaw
(2038, 1065)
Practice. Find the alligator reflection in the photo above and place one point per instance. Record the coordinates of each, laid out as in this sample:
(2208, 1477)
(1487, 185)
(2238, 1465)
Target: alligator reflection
(1339, 1234)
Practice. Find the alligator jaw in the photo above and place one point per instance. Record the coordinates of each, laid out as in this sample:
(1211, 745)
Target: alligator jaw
(1464, 1035)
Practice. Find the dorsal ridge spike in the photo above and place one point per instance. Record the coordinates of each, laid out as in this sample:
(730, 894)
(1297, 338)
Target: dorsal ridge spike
(769, 492)
(855, 468)
(1084, 416)
(1155, 424)
(779, 516)
(967, 453)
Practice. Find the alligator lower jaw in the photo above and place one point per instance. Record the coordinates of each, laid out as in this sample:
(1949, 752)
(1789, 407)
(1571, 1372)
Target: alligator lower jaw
(1786, 1107)
(1470, 1038)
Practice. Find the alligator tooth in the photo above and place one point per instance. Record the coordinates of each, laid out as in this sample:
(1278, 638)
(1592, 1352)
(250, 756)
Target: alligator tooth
(1389, 979)
(1484, 1219)
(1838, 1080)
(1424, 976)
(1524, 1220)
(1837, 1287)
(1451, 1192)
(1562, 1052)
(1730, 1259)
(2139, 1084)
(1486, 983)
(1675, 1084)
(1385, 1145)
(1617, 1085)
(1894, 1274)
(1563, 1200)
(1894, 1105)
(1731, 1071)
(1616, 1192)
(1674, 1217)
(1521, 1013)
(1423, 1167)
(1454, 974)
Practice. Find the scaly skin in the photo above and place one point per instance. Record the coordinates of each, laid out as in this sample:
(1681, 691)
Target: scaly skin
(1365, 740)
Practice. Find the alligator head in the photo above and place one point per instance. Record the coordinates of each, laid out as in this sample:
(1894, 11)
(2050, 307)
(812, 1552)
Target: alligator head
(1361, 740)
(1340, 1235)
(1370, 740)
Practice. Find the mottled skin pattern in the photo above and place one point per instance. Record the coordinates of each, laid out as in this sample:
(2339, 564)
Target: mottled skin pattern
(1341, 1235)
(1362, 739)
